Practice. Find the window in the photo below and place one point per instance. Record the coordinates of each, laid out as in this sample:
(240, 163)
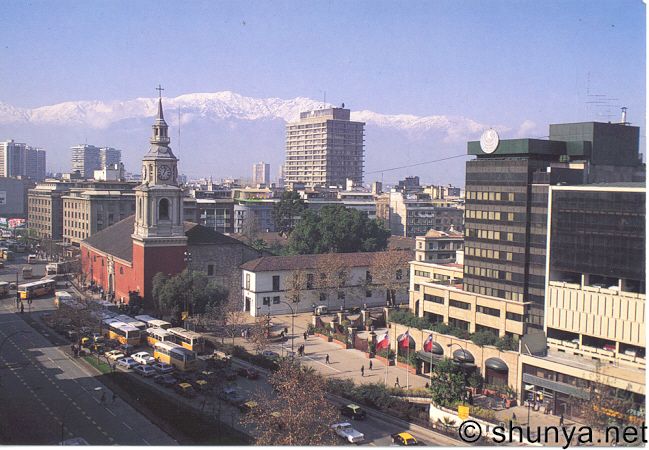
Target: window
(416, 287)
(210, 270)
(276, 300)
(121, 271)
(368, 294)
(399, 274)
(368, 276)
(460, 305)
(266, 301)
(434, 298)
(275, 282)
(309, 281)
(489, 311)
(421, 273)
(514, 316)
(323, 297)
(248, 281)
(341, 295)
(163, 209)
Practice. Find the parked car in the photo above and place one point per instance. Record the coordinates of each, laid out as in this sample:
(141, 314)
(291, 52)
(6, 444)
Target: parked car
(403, 439)
(201, 385)
(127, 363)
(273, 356)
(163, 367)
(114, 355)
(348, 433)
(185, 389)
(353, 411)
(247, 406)
(143, 358)
(232, 395)
(127, 349)
(145, 371)
(165, 380)
(248, 373)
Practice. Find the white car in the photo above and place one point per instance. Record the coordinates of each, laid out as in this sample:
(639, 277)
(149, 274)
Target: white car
(348, 433)
(143, 358)
(114, 355)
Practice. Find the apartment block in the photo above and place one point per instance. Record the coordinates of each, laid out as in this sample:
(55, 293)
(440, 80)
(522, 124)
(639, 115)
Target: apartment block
(21, 160)
(414, 214)
(324, 148)
(86, 159)
(261, 174)
(438, 246)
(45, 208)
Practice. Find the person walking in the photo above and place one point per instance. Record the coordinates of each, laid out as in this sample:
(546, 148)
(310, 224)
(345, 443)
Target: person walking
(327, 359)
(305, 336)
(370, 364)
(103, 398)
(396, 383)
(561, 420)
(363, 370)
(22, 308)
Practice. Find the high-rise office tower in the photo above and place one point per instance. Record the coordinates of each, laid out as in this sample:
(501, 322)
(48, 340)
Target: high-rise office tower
(324, 148)
(86, 159)
(109, 156)
(19, 159)
(261, 173)
(506, 202)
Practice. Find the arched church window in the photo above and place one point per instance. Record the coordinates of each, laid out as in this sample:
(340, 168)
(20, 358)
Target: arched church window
(140, 208)
(163, 209)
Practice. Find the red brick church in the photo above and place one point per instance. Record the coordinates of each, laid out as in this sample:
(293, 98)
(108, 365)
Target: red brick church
(123, 258)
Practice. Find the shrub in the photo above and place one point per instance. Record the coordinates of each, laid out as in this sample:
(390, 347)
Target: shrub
(484, 338)
(507, 343)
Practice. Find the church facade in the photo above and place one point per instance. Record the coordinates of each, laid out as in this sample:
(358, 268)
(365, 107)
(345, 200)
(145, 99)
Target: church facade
(124, 258)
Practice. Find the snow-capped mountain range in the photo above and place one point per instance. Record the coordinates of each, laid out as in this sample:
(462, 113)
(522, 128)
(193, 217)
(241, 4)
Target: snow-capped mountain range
(224, 133)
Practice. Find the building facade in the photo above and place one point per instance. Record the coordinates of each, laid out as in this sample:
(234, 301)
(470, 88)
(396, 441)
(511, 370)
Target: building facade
(439, 247)
(324, 148)
(21, 160)
(45, 209)
(261, 174)
(13, 197)
(412, 214)
(86, 159)
(109, 157)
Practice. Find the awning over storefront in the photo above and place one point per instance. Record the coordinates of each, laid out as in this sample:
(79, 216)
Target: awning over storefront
(429, 357)
(437, 349)
(556, 386)
(496, 364)
(463, 356)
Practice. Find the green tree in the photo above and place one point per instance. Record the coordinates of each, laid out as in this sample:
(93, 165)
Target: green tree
(287, 212)
(187, 291)
(337, 229)
(447, 384)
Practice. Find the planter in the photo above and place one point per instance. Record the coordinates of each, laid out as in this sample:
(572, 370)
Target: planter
(324, 336)
(341, 344)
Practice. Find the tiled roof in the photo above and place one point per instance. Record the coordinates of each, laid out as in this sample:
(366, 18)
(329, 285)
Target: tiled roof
(116, 239)
(276, 263)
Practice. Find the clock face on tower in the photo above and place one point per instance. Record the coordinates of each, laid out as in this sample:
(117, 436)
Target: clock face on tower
(164, 172)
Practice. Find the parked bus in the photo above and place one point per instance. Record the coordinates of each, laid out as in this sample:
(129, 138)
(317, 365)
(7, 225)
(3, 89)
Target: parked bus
(176, 355)
(152, 322)
(189, 339)
(63, 297)
(27, 273)
(4, 288)
(31, 259)
(134, 323)
(119, 331)
(57, 268)
(36, 289)
(155, 335)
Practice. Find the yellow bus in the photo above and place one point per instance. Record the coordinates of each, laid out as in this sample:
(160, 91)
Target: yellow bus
(189, 339)
(152, 322)
(36, 289)
(122, 332)
(155, 335)
(179, 357)
(134, 323)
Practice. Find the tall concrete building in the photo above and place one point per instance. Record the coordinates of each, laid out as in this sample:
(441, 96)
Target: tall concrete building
(261, 173)
(109, 157)
(21, 160)
(86, 159)
(324, 148)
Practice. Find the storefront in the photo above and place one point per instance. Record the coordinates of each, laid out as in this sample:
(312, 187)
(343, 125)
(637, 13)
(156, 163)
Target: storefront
(496, 372)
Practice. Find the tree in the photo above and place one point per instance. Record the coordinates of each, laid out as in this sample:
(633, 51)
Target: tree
(259, 334)
(337, 229)
(231, 310)
(389, 269)
(287, 212)
(447, 383)
(297, 412)
(332, 275)
(187, 291)
(296, 283)
(251, 227)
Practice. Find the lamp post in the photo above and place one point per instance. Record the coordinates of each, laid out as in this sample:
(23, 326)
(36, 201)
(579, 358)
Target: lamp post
(187, 257)
(465, 352)
(292, 323)
(67, 407)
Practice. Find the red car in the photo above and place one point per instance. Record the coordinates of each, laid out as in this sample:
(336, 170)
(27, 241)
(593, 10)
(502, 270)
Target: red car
(250, 374)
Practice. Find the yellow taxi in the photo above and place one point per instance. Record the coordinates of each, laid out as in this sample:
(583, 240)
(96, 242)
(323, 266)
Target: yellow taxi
(403, 439)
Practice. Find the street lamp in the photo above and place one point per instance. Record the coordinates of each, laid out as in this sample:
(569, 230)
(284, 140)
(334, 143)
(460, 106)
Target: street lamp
(464, 354)
(292, 323)
(67, 407)
(187, 257)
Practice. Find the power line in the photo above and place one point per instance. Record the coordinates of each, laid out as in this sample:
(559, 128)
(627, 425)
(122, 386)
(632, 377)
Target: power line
(417, 164)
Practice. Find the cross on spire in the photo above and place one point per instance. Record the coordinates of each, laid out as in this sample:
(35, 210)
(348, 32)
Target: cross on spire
(159, 89)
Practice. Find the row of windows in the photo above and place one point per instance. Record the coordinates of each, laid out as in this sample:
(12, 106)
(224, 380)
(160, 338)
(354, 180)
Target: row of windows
(488, 253)
(493, 292)
(421, 273)
(489, 215)
(488, 273)
(460, 305)
(489, 311)
(434, 298)
(489, 234)
(490, 196)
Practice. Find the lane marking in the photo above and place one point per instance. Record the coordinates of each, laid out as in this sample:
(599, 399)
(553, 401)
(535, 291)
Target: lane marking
(145, 441)
(127, 426)
(114, 415)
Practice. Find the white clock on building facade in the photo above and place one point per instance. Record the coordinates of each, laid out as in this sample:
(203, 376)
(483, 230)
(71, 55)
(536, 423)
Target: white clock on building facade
(489, 141)
(164, 172)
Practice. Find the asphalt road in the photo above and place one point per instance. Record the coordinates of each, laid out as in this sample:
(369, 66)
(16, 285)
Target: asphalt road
(46, 394)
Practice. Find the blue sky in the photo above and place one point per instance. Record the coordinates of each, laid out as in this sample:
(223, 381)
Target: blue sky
(498, 62)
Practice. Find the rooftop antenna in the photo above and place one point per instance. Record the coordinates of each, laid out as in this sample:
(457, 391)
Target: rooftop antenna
(624, 122)
(324, 102)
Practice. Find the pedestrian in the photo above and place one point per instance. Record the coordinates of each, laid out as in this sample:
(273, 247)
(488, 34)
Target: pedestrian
(561, 420)
(427, 385)
(305, 336)
(327, 358)
(72, 348)
(514, 418)
(114, 397)
(362, 370)
(103, 398)
(22, 308)
(370, 364)
(396, 383)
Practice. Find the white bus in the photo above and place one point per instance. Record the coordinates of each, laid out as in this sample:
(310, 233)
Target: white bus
(189, 339)
(64, 297)
(155, 335)
(152, 322)
(122, 332)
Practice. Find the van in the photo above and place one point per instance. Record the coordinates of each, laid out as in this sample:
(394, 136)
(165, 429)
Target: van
(321, 310)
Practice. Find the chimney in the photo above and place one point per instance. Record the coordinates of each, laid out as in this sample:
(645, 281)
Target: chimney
(624, 122)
